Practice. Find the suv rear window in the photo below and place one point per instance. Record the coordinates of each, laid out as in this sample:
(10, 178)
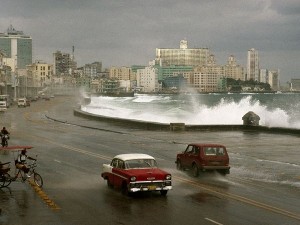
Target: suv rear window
(214, 151)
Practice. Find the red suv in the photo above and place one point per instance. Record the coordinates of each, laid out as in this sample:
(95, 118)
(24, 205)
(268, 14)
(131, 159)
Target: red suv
(204, 157)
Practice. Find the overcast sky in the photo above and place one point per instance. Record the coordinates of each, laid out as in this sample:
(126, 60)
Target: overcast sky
(127, 32)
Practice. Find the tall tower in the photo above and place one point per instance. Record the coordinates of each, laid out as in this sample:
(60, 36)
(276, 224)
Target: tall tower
(252, 65)
(17, 48)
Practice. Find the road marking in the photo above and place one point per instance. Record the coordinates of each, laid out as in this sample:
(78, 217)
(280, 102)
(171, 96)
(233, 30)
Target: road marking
(215, 222)
(79, 150)
(43, 196)
(239, 198)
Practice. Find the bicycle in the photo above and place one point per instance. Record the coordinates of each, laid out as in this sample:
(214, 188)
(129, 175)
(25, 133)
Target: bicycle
(37, 178)
(5, 178)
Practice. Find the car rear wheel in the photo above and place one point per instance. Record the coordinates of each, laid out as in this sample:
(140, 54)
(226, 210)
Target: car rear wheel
(109, 184)
(179, 166)
(163, 192)
(195, 170)
(223, 172)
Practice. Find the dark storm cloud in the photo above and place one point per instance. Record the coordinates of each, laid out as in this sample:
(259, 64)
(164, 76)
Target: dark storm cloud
(286, 8)
(126, 32)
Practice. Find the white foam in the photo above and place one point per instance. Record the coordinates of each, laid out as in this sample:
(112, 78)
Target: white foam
(164, 109)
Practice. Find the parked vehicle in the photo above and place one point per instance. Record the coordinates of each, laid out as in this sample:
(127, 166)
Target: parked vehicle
(3, 106)
(35, 98)
(136, 173)
(22, 102)
(6, 99)
(204, 157)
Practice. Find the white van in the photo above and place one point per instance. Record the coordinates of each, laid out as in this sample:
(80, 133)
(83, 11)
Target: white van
(3, 106)
(22, 102)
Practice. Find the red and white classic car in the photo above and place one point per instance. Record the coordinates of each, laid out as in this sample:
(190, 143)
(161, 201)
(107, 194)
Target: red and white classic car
(136, 173)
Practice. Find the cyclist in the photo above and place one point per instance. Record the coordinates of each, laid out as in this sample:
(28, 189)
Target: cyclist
(4, 131)
(21, 162)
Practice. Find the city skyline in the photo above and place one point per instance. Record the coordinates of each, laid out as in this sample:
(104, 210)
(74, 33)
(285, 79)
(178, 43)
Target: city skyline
(125, 34)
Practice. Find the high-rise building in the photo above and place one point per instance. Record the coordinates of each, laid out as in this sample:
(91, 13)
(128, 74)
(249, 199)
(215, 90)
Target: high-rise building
(147, 79)
(92, 70)
(233, 70)
(263, 75)
(17, 48)
(252, 65)
(64, 64)
(207, 78)
(183, 56)
(273, 79)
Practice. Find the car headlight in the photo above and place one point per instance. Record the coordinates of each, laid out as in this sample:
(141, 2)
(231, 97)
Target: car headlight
(168, 177)
(132, 178)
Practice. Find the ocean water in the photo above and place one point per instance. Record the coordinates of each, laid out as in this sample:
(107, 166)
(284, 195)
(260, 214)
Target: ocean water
(274, 110)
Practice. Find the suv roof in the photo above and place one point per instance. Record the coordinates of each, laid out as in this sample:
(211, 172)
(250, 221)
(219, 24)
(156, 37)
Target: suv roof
(206, 144)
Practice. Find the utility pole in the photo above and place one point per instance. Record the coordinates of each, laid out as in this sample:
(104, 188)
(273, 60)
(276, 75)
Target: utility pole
(16, 79)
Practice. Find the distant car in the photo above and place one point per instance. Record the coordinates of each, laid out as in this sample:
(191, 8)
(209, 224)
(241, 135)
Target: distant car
(27, 102)
(136, 173)
(22, 102)
(204, 157)
(47, 98)
(3, 106)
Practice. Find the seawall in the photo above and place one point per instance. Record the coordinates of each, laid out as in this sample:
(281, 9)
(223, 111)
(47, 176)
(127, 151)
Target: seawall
(138, 124)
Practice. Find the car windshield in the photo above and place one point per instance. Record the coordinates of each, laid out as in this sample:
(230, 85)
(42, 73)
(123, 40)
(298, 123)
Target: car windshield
(214, 151)
(140, 163)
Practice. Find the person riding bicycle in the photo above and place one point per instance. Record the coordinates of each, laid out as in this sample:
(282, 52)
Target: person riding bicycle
(4, 131)
(21, 162)
(4, 134)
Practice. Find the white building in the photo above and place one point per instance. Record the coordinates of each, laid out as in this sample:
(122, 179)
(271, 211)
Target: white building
(147, 79)
(263, 75)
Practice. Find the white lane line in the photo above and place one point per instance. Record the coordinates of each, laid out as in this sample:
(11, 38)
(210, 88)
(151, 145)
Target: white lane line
(215, 222)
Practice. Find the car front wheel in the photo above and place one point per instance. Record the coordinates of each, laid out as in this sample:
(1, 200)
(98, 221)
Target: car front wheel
(179, 166)
(124, 189)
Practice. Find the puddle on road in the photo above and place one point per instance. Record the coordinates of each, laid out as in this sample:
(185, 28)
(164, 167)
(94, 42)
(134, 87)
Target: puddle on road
(203, 197)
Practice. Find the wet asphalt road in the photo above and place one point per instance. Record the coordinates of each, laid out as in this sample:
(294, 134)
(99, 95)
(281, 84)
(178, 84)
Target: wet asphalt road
(263, 187)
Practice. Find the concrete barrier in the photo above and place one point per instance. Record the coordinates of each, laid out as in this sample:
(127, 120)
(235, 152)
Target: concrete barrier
(184, 127)
(177, 126)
